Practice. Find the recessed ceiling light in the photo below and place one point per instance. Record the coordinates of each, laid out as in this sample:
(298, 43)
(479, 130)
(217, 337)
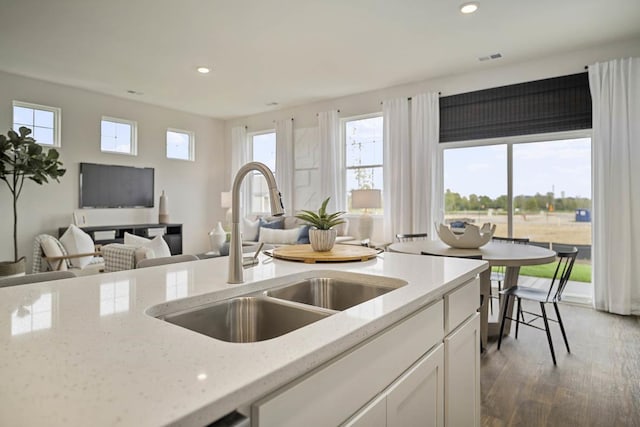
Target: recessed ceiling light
(469, 7)
(203, 70)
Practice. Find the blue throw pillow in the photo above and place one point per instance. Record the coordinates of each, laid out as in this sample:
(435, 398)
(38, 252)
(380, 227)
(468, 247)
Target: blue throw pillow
(303, 237)
(277, 224)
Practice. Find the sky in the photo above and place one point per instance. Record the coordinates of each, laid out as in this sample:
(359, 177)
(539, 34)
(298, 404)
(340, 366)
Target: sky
(542, 167)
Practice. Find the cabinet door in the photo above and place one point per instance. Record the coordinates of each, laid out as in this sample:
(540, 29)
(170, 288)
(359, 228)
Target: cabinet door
(372, 415)
(462, 375)
(417, 397)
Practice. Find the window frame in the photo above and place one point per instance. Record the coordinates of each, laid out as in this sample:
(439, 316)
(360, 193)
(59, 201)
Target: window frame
(57, 120)
(509, 142)
(345, 168)
(192, 142)
(133, 135)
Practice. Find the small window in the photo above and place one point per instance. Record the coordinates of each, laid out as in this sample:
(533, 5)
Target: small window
(180, 144)
(118, 136)
(43, 121)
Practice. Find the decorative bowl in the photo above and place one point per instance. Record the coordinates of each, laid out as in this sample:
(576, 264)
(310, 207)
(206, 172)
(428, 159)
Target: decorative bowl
(472, 238)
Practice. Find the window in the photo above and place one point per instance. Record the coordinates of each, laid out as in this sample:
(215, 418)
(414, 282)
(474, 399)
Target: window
(263, 147)
(180, 144)
(363, 138)
(118, 136)
(43, 121)
(533, 187)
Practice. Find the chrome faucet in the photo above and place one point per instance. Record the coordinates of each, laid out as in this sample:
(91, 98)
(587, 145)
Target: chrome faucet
(277, 209)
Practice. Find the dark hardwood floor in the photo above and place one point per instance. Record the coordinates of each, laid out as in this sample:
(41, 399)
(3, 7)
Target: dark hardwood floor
(598, 384)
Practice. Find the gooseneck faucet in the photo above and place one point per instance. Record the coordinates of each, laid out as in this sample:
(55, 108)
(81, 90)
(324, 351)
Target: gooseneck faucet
(277, 209)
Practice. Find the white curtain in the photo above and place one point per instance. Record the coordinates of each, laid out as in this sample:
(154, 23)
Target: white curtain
(331, 161)
(426, 164)
(239, 156)
(615, 92)
(397, 191)
(285, 162)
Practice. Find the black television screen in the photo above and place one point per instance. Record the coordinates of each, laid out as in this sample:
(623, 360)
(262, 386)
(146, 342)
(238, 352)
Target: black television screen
(111, 186)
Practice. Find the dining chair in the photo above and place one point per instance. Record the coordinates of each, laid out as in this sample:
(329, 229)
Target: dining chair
(551, 296)
(36, 278)
(152, 262)
(498, 272)
(410, 237)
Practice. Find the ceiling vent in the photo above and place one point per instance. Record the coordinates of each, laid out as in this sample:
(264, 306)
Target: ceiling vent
(490, 57)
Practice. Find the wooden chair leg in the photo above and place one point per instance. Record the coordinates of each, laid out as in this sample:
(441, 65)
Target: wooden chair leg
(548, 331)
(564, 334)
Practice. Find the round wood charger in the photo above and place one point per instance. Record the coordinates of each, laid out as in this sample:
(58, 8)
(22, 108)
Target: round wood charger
(339, 253)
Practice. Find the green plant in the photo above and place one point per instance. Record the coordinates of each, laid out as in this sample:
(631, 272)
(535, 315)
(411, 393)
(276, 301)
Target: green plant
(21, 158)
(321, 220)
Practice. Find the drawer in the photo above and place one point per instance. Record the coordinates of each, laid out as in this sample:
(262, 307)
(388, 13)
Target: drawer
(461, 303)
(334, 392)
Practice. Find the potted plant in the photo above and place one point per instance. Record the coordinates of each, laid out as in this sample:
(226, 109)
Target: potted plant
(322, 235)
(22, 158)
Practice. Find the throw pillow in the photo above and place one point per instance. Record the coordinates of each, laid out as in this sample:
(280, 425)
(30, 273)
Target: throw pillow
(51, 248)
(250, 229)
(157, 245)
(279, 237)
(303, 237)
(76, 241)
(275, 224)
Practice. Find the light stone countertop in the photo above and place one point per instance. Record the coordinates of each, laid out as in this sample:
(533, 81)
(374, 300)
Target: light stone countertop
(84, 351)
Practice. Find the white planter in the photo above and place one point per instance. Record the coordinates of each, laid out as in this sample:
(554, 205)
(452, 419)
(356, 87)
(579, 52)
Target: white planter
(322, 240)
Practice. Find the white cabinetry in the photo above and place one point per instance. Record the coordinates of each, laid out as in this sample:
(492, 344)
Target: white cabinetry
(462, 356)
(414, 399)
(462, 374)
(400, 377)
(331, 394)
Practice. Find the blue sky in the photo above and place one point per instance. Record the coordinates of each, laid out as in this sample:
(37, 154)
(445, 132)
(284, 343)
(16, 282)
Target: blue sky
(559, 166)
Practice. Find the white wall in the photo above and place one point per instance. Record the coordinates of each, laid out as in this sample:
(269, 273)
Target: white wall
(493, 74)
(193, 188)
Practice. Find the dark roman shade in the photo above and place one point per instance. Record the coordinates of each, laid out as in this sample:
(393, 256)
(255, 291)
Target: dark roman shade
(549, 105)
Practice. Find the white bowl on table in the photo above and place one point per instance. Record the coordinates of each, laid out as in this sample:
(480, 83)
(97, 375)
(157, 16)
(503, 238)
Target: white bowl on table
(473, 236)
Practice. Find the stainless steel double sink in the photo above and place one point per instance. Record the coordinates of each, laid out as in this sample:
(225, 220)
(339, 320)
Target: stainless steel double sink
(274, 312)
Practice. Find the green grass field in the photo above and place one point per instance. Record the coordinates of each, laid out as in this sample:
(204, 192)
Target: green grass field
(580, 273)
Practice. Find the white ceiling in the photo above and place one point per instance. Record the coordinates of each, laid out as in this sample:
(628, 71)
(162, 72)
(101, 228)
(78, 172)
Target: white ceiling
(288, 51)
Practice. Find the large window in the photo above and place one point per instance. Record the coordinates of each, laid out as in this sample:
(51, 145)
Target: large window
(118, 136)
(43, 121)
(363, 139)
(180, 144)
(263, 147)
(529, 188)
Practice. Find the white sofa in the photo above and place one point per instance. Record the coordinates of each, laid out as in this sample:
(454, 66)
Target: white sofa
(255, 230)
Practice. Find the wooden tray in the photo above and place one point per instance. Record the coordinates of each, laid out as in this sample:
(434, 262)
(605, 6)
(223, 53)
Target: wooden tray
(339, 253)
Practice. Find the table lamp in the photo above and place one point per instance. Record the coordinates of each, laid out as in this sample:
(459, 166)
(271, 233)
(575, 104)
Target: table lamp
(225, 203)
(365, 199)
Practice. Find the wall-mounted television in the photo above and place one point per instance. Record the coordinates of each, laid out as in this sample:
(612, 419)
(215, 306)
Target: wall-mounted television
(112, 186)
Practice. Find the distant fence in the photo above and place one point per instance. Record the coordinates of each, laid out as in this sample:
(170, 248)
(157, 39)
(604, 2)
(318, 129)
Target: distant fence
(584, 251)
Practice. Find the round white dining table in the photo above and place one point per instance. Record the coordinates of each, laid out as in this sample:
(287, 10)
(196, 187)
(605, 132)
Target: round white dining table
(512, 256)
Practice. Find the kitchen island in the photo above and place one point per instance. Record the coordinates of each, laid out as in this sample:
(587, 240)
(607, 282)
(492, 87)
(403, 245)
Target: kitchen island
(88, 351)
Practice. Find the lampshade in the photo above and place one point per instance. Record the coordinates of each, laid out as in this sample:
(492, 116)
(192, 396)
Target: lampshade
(225, 199)
(365, 199)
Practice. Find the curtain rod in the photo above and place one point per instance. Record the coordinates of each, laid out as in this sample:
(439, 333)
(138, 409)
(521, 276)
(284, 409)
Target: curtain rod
(317, 114)
(276, 120)
(408, 98)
